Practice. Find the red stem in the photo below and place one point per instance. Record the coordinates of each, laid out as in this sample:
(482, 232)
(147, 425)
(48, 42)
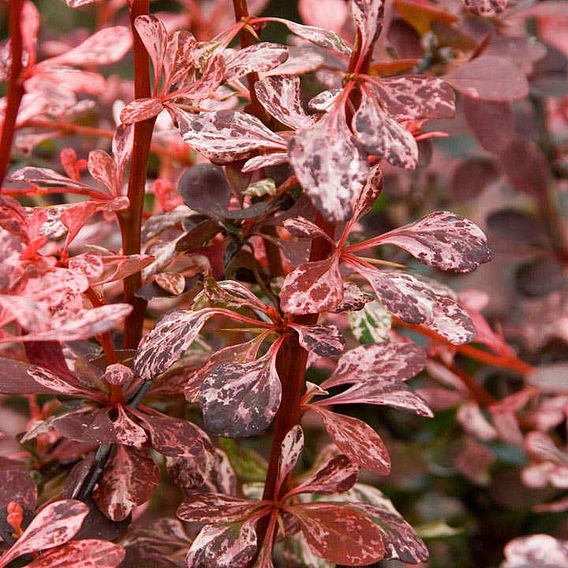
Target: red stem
(131, 219)
(15, 86)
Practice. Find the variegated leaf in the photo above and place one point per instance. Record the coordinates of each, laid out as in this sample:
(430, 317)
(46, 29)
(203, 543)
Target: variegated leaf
(140, 109)
(281, 97)
(265, 161)
(444, 240)
(126, 430)
(54, 525)
(241, 399)
(154, 36)
(260, 58)
(486, 7)
(371, 324)
(128, 480)
(171, 282)
(329, 165)
(354, 299)
(173, 436)
(223, 546)
(537, 550)
(118, 374)
(290, 450)
(55, 383)
(323, 340)
(368, 16)
(324, 38)
(102, 168)
(168, 341)
(324, 101)
(357, 440)
(313, 287)
(382, 135)
(339, 534)
(301, 227)
(392, 361)
(44, 176)
(215, 508)
(85, 425)
(416, 97)
(84, 553)
(415, 302)
(336, 475)
(226, 135)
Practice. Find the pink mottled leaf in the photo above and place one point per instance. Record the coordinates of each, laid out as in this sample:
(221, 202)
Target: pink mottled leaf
(323, 340)
(118, 374)
(53, 382)
(210, 80)
(442, 239)
(108, 45)
(416, 97)
(301, 227)
(329, 165)
(382, 135)
(490, 78)
(486, 7)
(167, 342)
(354, 299)
(154, 36)
(75, 217)
(290, 450)
(44, 176)
(55, 288)
(324, 38)
(124, 267)
(324, 101)
(313, 287)
(388, 361)
(537, 550)
(415, 302)
(126, 430)
(15, 379)
(260, 57)
(339, 534)
(241, 399)
(172, 436)
(336, 475)
(140, 109)
(171, 282)
(281, 97)
(89, 265)
(128, 480)
(54, 525)
(223, 546)
(368, 15)
(102, 167)
(215, 508)
(265, 161)
(85, 553)
(327, 14)
(357, 440)
(227, 135)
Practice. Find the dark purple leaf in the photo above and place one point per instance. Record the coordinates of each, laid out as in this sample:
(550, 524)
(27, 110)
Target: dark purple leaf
(493, 123)
(86, 425)
(83, 553)
(205, 189)
(541, 277)
(16, 485)
(54, 525)
(515, 225)
(14, 379)
(241, 399)
(329, 165)
(472, 177)
(382, 135)
(323, 340)
(339, 534)
(442, 239)
(281, 97)
(526, 167)
(226, 135)
(313, 287)
(128, 480)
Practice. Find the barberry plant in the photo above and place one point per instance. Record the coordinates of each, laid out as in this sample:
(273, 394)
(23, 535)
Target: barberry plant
(220, 273)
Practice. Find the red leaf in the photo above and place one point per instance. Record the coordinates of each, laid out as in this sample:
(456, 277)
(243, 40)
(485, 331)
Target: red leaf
(329, 165)
(226, 546)
(54, 525)
(339, 534)
(336, 475)
(128, 480)
(323, 340)
(216, 508)
(260, 58)
(241, 399)
(281, 97)
(413, 301)
(313, 287)
(356, 439)
(490, 78)
(382, 135)
(486, 7)
(442, 239)
(84, 553)
(168, 341)
(226, 135)
(386, 361)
